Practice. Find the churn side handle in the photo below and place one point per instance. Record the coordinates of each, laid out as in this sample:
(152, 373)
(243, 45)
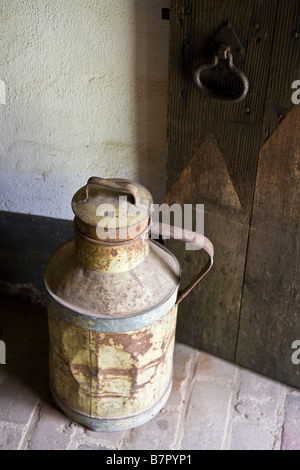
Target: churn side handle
(188, 236)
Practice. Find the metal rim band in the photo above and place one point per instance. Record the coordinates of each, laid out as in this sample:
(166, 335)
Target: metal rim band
(111, 325)
(110, 425)
(114, 243)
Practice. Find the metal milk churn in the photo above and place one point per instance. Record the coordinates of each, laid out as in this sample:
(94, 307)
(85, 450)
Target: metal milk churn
(112, 296)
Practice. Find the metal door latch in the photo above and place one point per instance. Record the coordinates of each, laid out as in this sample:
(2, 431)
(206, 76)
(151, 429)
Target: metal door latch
(225, 47)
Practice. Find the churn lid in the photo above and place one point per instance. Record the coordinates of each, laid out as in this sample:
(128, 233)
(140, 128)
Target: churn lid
(112, 209)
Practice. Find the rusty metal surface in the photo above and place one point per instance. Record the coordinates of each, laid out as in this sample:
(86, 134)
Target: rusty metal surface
(112, 295)
(226, 48)
(197, 239)
(112, 316)
(111, 375)
(110, 425)
(108, 325)
(108, 257)
(99, 192)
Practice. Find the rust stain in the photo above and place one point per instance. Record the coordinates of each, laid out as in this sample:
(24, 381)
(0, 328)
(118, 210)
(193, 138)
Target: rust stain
(135, 344)
(105, 374)
(114, 372)
(110, 257)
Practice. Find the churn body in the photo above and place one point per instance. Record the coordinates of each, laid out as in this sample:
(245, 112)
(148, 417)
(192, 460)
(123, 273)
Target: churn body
(112, 313)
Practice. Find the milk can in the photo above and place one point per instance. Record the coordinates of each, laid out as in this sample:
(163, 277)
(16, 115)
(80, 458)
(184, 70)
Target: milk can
(112, 296)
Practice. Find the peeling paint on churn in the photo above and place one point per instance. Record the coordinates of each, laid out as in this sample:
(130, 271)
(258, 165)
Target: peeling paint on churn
(112, 307)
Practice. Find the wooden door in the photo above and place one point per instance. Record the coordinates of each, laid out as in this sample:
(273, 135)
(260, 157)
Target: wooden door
(242, 160)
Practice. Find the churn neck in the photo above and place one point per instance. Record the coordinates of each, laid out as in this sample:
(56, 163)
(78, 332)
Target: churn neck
(112, 220)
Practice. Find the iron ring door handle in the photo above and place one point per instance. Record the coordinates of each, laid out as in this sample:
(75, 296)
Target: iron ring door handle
(223, 53)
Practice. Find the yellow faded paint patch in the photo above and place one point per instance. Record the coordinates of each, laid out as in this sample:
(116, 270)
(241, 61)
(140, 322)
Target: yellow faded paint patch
(114, 258)
(111, 375)
(114, 357)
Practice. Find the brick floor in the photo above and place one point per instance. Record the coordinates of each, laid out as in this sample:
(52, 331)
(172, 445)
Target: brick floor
(213, 404)
(291, 435)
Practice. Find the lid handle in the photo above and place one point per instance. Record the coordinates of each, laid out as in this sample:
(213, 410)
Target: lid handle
(117, 184)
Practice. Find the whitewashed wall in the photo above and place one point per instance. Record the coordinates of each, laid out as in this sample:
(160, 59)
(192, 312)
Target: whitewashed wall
(86, 95)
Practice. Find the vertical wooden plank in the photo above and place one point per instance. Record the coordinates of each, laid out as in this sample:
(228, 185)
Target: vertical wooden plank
(213, 150)
(236, 126)
(208, 317)
(284, 67)
(270, 315)
(269, 320)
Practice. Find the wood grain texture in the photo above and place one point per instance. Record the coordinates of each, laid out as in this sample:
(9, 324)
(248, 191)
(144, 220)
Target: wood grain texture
(192, 115)
(217, 144)
(208, 317)
(284, 66)
(213, 158)
(270, 319)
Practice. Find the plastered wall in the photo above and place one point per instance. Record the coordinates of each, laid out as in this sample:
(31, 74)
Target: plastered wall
(85, 95)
